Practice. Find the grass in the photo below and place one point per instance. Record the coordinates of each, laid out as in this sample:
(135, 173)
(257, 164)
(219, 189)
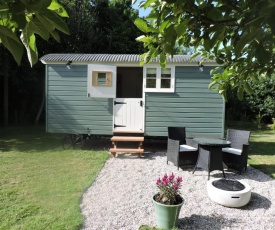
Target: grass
(262, 150)
(41, 184)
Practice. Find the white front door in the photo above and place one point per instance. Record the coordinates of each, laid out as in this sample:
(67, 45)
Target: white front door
(128, 115)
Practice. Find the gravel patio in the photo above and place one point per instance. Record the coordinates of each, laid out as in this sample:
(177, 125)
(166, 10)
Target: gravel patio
(120, 197)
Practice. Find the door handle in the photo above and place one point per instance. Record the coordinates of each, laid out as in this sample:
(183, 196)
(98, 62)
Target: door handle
(141, 103)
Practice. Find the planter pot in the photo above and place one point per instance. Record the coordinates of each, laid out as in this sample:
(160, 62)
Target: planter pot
(167, 215)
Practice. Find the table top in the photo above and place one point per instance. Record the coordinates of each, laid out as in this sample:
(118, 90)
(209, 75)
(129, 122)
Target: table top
(212, 141)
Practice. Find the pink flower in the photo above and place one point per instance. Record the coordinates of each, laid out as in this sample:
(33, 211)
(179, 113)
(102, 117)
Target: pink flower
(165, 177)
(169, 188)
(171, 177)
(158, 181)
(175, 185)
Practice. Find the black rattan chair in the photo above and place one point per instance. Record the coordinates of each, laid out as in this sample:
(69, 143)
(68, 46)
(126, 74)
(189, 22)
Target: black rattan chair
(235, 156)
(181, 151)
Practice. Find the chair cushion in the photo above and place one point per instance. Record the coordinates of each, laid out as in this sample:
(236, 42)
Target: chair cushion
(232, 150)
(184, 148)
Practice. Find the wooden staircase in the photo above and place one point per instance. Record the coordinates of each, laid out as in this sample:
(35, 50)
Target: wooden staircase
(116, 139)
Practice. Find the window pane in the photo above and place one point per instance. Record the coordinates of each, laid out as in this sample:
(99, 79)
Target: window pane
(101, 79)
(165, 83)
(166, 73)
(150, 83)
(151, 71)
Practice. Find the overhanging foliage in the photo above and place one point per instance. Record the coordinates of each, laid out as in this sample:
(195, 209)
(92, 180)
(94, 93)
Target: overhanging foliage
(239, 35)
(21, 21)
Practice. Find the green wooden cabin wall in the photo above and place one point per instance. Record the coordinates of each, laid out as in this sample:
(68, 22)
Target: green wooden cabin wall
(192, 105)
(68, 108)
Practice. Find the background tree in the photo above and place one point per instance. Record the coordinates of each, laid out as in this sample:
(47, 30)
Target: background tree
(98, 26)
(258, 105)
(240, 35)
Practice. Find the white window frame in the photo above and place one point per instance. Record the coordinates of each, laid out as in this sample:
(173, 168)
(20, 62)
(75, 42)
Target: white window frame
(158, 89)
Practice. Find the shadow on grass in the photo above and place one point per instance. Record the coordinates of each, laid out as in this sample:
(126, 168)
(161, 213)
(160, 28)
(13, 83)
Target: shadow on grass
(262, 148)
(26, 139)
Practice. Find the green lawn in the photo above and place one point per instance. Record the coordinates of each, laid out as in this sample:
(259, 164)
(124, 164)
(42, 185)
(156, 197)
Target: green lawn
(262, 151)
(41, 184)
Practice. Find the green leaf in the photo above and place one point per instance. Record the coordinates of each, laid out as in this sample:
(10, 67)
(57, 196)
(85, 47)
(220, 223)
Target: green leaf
(148, 3)
(217, 36)
(17, 7)
(148, 56)
(212, 84)
(214, 14)
(20, 20)
(28, 39)
(162, 59)
(46, 23)
(35, 26)
(144, 39)
(240, 92)
(4, 31)
(164, 25)
(141, 24)
(245, 39)
(13, 46)
(215, 70)
(55, 20)
(55, 6)
(248, 88)
(194, 55)
(181, 28)
(206, 44)
(152, 29)
(38, 5)
(55, 35)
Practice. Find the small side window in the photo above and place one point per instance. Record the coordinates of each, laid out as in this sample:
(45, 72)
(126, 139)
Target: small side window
(159, 80)
(101, 78)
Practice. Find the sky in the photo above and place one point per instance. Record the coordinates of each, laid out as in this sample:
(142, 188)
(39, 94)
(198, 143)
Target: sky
(141, 11)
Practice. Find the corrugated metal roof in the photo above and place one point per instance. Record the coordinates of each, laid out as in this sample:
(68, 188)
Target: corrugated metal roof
(111, 58)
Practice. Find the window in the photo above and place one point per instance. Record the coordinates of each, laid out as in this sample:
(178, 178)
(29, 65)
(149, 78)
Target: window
(165, 81)
(151, 78)
(101, 78)
(159, 80)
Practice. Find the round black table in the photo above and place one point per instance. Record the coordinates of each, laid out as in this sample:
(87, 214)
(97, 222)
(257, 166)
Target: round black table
(210, 154)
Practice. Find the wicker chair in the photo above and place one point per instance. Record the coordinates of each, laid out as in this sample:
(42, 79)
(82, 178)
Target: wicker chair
(181, 151)
(235, 157)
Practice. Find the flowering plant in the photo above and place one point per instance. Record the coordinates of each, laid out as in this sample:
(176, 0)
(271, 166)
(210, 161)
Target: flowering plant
(169, 190)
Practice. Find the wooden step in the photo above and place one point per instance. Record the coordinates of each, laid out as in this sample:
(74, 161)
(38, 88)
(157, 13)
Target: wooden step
(127, 138)
(116, 139)
(122, 150)
(113, 151)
